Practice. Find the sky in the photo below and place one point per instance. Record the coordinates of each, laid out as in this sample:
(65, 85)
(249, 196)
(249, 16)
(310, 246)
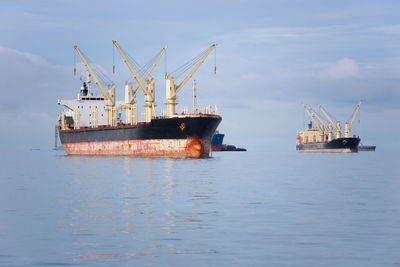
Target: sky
(272, 57)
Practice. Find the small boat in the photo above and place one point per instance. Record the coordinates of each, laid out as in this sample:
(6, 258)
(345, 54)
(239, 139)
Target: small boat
(366, 148)
(216, 144)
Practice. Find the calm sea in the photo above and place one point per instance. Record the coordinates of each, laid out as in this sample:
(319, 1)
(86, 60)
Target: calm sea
(234, 209)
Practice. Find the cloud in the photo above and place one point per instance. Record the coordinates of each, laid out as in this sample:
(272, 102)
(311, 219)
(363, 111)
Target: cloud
(30, 87)
(267, 35)
(385, 29)
(363, 40)
(342, 81)
(341, 69)
(29, 81)
(346, 81)
(338, 64)
(19, 20)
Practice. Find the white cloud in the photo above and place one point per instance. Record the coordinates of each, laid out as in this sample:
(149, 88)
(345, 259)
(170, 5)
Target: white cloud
(30, 87)
(268, 35)
(309, 35)
(386, 29)
(30, 82)
(13, 19)
(341, 69)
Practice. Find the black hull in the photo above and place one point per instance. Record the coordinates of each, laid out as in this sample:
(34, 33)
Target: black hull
(336, 145)
(165, 128)
(188, 136)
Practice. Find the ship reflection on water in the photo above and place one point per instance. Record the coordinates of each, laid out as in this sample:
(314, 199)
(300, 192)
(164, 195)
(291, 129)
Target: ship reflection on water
(139, 212)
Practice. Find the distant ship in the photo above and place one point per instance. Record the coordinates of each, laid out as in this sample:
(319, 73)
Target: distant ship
(91, 126)
(318, 137)
(216, 141)
(216, 144)
(366, 148)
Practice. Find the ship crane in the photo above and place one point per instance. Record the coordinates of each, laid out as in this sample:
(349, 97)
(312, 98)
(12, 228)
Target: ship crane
(325, 129)
(322, 127)
(337, 126)
(172, 89)
(148, 91)
(311, 116)
(322, 124)
(347, 126)
(109, 96)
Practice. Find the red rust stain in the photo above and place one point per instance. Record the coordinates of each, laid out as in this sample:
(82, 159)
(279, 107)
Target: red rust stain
(194, 148)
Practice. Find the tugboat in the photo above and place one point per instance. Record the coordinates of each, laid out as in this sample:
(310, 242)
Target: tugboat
(362, 147)
(318, 137)
(216, 144)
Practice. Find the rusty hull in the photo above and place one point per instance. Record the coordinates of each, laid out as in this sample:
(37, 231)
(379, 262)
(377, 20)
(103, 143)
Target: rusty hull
(175, 148)
(180, 137)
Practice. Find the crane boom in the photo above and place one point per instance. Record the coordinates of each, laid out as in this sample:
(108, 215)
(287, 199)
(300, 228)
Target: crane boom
(348, 125)
(179, 87)
(355, 113)
(105, 94)
(154, 65)
(322, 126)
(337, 126)
(310, 115)
(172, 89)
(135, 76)
(149, 90)
(327, 116)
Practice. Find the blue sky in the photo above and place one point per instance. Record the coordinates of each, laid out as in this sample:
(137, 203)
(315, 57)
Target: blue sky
(272, 57)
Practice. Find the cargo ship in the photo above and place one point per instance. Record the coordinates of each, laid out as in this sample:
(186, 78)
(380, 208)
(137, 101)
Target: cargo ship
(92, 124)
(318, 137)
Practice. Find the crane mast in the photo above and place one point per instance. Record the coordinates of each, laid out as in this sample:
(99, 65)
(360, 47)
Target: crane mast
(172, 89)
(109, 96)
(148, 91)
(347, 126)
(337, 127)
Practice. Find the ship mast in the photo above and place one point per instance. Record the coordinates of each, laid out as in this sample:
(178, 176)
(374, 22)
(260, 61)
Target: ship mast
(109, 96)
(173, 89)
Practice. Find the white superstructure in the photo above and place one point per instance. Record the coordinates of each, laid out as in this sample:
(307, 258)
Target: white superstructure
(87, 106)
